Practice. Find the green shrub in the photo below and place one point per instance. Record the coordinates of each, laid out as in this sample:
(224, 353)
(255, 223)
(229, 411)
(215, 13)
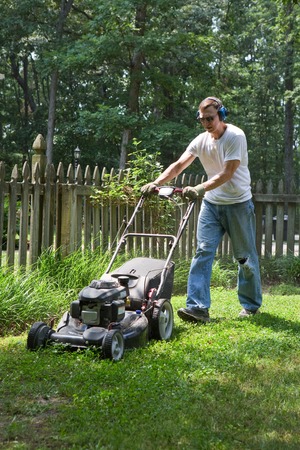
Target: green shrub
(284, 289)
(142, 168)
(223, 275)
(281, 270)
(293, 269)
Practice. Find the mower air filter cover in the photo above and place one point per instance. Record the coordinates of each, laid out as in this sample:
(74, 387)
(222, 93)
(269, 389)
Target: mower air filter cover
(102, 295)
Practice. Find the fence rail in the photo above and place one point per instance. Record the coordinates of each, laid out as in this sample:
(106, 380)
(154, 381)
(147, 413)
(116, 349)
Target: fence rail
(48, 209)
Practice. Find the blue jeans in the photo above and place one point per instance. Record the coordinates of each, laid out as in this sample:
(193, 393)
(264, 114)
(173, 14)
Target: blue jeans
(238, 220)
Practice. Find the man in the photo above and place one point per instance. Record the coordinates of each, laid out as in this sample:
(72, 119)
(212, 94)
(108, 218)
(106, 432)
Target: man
(226, 207)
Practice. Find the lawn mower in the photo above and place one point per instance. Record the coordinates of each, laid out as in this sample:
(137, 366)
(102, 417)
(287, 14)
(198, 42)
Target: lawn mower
(127, 306)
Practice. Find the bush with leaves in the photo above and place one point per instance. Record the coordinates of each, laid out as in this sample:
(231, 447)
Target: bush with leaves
(125, 187)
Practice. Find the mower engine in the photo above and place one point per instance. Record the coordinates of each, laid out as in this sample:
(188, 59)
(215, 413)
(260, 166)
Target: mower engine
(100, 304)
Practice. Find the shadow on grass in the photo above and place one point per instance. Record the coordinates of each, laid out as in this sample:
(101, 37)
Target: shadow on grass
(276, 323)
(265, 320)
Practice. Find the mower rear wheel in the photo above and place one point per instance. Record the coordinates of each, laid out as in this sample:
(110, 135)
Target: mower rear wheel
(38, 335)
(162, 320)
(113, 345)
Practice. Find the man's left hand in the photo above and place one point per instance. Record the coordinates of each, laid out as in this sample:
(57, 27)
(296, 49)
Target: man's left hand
(193, 192)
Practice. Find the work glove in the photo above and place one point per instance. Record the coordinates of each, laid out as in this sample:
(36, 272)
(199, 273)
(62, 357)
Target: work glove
(148, 188)
(193, 192)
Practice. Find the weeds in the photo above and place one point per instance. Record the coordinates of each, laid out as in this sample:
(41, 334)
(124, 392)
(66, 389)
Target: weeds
(45, 291)
(142, 167)
(281, 270)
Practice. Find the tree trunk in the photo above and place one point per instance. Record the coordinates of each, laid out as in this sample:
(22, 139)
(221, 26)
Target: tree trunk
(22, 81)
(136, 65)
(65, 8)
(51, 116)
(125, 139)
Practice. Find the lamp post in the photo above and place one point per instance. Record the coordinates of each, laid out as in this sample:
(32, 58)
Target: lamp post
(76, 156)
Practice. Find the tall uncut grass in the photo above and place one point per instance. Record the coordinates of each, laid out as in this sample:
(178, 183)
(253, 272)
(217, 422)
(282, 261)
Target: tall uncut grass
(45, 291)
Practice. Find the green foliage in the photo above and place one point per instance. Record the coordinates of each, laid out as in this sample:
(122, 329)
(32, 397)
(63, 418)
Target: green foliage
(143, 167)
(281, 270)
(293, 270)
(224, 275)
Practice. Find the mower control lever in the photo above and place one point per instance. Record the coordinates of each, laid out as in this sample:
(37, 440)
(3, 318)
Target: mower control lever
(167, 191)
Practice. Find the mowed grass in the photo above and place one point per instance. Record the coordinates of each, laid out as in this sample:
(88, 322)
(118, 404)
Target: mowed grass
(231, 384)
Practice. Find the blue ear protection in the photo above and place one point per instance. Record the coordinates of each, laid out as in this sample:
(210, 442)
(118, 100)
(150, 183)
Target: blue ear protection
(222, 111)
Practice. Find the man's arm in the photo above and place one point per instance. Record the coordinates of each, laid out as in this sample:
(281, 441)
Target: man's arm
(175, 168)
(225, 175)
(193, 192)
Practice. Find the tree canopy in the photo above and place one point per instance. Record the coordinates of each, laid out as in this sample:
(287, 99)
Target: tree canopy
(100, 74)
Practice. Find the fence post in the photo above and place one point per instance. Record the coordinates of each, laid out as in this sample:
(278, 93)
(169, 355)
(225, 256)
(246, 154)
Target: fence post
(58, 207)
(291, 220)
(69, 214)
(104, 216)
(2, 196)
(96, 211)
(12, 219)
(278, 223)
(39, 157)
(38, 167)
(24, 217)
(77, 208)
(35, 217)
(269, 223)
(48, 207)
(259, 218)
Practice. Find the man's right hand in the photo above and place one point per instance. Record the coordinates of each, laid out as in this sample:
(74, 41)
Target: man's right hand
(148, 188)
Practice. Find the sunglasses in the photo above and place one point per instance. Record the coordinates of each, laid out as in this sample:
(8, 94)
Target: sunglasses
(207, 119)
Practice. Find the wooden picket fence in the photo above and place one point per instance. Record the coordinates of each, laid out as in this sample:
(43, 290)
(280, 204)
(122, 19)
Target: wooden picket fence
(54, 210)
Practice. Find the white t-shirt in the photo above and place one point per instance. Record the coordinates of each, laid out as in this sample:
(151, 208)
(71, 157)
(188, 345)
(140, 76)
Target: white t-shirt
(213, 153)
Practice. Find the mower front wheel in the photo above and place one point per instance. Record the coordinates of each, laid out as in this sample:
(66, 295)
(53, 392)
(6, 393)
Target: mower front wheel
(113, 345)
(38, 335)
(162, 320)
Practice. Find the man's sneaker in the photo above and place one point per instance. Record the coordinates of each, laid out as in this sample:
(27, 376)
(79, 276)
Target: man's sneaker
(194, 315)
(247, 312)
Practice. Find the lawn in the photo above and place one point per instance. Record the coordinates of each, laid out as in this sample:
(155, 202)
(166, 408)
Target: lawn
(231, 384)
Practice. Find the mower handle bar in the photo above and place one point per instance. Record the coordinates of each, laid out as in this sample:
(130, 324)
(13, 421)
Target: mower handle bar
(150, 235)
(164, 192)
(167, 191)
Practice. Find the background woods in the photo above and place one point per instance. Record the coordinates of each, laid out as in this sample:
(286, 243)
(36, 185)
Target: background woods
(96, 75)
